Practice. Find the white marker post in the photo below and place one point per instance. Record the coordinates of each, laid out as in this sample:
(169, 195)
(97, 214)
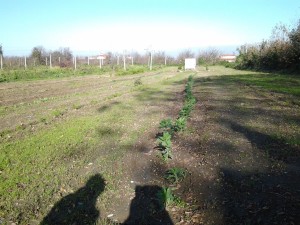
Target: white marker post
(151, 60)
(1, 61)
(75, 64)
(25, 64)
(124, 60)
(88, 60)
(50, 62)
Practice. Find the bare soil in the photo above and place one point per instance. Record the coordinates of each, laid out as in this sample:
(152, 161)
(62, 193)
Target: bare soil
(240, 172)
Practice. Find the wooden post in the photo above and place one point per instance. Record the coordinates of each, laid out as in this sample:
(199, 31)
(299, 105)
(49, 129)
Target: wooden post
(25, 63)
(46, 61)
(165, 60)
(132, 60)
(118, 59)
(59, 60)
(124, 60)
(151, 60)
(1, 61)
(100, 62)
(88, 60)
(50, 62)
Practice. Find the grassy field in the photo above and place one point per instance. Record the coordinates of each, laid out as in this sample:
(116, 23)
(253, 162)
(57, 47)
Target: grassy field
(56, 134)
(43, 72)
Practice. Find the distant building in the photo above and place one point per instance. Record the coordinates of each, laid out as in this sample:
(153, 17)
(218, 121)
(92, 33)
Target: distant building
(228, 58)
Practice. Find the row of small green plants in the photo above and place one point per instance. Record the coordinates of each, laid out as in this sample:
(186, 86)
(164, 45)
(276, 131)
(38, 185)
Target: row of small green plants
(169, 127)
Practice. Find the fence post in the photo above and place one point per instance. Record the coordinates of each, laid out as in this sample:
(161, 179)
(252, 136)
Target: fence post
(50, 62)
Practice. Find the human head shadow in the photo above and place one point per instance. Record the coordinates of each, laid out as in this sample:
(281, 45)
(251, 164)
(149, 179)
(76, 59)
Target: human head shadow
(78, 207)
(146, 208)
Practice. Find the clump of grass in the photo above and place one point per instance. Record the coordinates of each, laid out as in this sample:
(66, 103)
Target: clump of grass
(138, 82)
(77, 106)
(57, 113)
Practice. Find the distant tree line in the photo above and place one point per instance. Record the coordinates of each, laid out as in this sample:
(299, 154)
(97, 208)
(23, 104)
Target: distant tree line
(62, 57)
(280, 52)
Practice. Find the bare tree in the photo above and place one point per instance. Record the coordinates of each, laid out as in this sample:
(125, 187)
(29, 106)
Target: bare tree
(185, 54)
(208, 56)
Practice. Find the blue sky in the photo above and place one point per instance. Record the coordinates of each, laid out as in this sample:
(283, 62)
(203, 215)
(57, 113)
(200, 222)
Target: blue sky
(113, 25)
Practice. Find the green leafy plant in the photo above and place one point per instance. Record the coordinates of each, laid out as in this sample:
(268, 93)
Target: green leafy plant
(166, 154)
(164, 141)
(165, 197)
(166, 124)
(180, 124)
(175, 175)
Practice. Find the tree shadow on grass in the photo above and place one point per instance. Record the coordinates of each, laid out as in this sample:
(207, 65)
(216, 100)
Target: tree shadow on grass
(78, 207)
(260, 198)
(146, 208)
(276, 148)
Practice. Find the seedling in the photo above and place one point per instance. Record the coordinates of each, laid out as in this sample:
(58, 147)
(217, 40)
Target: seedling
(175, 175)
(165, 197)
(164, 141)
(180, 124)
(166, 124)
(166, 154)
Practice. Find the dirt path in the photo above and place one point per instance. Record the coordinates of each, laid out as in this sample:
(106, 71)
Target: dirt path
(239, 172)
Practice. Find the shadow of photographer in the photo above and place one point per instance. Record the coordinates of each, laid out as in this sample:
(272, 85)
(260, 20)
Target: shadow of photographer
(78, 207)
(146, 208)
